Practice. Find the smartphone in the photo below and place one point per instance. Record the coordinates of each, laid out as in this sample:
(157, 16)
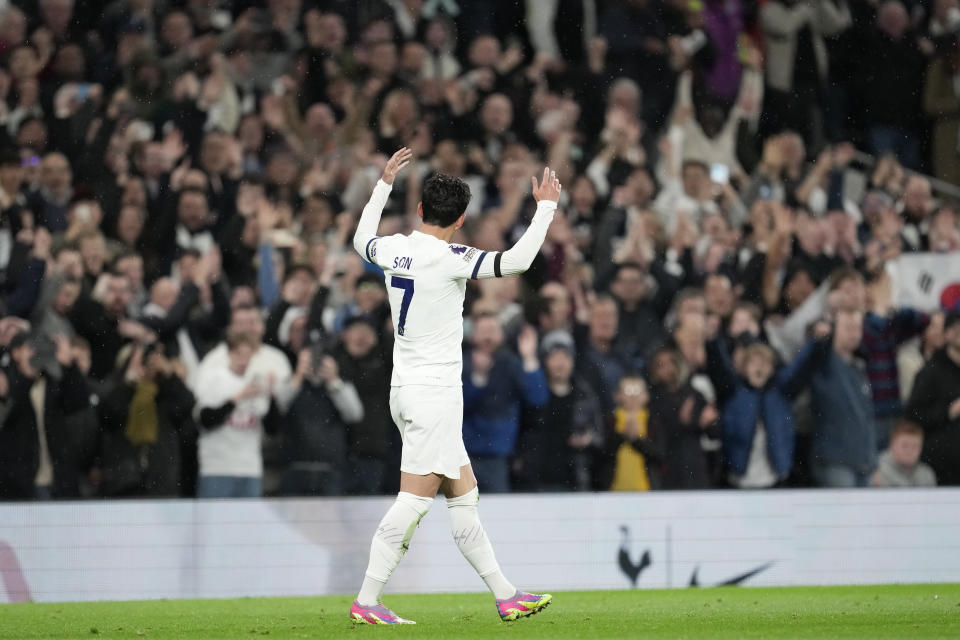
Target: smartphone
(720, 173)
(83, 90)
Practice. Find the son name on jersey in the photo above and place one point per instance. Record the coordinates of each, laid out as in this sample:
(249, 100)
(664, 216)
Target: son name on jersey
(402, 262)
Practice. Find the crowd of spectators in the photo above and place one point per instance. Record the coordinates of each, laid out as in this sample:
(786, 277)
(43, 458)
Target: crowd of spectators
(182, 313)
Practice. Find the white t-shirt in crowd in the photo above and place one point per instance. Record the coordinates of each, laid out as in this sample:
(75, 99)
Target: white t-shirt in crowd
(266, 361)
(234, 449)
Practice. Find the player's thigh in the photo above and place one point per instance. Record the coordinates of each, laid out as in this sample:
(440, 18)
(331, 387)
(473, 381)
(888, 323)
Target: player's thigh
(432, 430)
(456, 487)
(425, 486)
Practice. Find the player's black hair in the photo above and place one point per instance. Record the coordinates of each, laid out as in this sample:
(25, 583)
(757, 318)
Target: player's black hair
(444, 199)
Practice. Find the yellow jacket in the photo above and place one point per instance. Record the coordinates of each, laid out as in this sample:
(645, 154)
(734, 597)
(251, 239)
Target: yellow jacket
(630, 472)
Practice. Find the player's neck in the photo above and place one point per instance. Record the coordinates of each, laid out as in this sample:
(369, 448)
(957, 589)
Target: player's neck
(443, 233)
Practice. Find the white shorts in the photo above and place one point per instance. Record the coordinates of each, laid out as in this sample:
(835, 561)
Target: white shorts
(430, 420)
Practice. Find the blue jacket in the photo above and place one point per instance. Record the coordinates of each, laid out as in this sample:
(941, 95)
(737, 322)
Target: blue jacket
(742, 405)
(844, 432)
(491, 414)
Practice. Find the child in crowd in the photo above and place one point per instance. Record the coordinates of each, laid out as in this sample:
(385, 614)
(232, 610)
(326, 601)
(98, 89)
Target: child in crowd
(756, 410)
(630, 421)
(900, 466)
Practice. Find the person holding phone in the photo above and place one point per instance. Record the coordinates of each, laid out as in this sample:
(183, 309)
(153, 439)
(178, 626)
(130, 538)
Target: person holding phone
(236, 407)
(33, 404)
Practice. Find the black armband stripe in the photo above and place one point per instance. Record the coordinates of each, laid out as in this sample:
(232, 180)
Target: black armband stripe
(367, 248)
(476, 266)
(496, 265)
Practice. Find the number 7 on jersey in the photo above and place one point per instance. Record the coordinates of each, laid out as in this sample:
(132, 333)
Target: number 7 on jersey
(407, 285)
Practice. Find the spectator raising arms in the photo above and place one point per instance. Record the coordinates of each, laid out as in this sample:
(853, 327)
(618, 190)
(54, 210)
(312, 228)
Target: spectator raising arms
(496, 385)
(563, 448)
(35, 402)
(679, 416)
(145, 419)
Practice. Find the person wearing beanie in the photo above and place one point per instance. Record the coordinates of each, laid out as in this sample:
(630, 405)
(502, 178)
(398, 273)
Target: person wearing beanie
(568, 431)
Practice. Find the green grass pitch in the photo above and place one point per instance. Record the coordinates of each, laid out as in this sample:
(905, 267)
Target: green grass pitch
(901, 611)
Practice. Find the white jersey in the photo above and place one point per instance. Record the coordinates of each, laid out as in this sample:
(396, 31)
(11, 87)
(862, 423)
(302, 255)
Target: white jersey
(426, 281)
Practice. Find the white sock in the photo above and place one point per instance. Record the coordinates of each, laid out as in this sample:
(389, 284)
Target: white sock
(472, 540)
(390, 542)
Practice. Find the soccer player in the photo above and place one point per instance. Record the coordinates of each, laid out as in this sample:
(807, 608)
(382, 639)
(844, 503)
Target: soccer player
(426, 278)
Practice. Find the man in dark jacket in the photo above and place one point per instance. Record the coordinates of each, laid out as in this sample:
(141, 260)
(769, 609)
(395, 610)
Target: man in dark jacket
(74, 455)
(365, 364)
(314, 431)
(641, 311)
(679, 416)
(566, 440)
(889, 84)
(145, 419)
(935, 404)
(101, 318)
(189, 317)
(844, 452)
(34, 404)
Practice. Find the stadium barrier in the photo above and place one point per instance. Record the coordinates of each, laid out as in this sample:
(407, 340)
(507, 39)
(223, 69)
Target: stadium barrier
(126, 550)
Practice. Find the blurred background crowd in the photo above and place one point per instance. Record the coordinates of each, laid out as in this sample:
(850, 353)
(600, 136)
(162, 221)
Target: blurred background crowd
(183, 313)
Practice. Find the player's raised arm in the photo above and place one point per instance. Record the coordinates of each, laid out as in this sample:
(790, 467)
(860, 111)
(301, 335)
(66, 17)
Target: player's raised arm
(370, 218)
(518, 258)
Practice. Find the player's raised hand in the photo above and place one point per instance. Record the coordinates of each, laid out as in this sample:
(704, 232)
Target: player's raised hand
(549, 188)
(397, 162)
